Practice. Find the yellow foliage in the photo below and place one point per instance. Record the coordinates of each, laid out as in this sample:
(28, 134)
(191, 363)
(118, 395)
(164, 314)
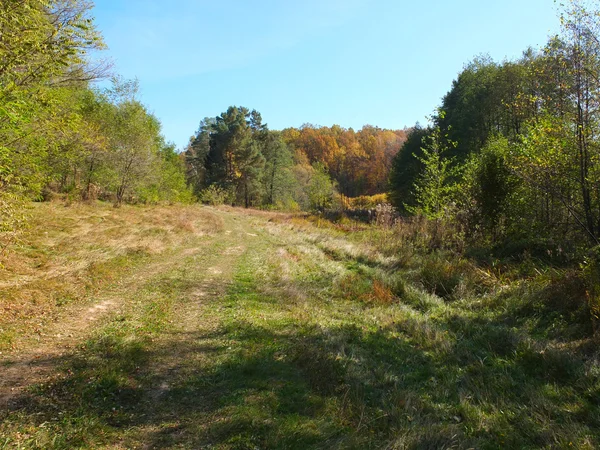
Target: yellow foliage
(364, 201)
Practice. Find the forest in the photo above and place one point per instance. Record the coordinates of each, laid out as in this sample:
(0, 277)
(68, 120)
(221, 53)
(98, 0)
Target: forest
(430, 286)
(509, 155)
(234, 158)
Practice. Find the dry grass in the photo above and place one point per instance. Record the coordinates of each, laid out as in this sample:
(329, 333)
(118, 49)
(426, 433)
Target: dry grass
(69, 252)
(283, 334)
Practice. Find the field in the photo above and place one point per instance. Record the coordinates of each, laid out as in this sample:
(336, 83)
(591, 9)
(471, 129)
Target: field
(221, 328)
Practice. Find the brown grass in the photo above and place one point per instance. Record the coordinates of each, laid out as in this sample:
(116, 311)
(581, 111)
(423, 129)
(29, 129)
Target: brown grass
(381, 294)
(69, 252)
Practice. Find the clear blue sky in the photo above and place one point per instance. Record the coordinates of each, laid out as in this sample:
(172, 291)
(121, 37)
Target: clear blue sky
(346, 62)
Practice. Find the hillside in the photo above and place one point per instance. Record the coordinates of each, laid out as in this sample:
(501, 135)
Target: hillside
(198, 327)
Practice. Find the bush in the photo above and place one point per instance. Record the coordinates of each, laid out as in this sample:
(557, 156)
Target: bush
(430, 235)
(385, 215)
(365, 201)
(12, 217)
(565, 291)
(287, 204)
(519, 249)
(214, 195)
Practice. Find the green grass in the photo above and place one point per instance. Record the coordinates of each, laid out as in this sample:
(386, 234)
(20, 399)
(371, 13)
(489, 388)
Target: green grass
(312, 337)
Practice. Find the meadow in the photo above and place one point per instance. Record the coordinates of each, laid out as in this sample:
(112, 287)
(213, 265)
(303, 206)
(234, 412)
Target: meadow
(224, 328)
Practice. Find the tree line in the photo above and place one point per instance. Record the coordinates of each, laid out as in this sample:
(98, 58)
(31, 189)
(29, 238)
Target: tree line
(234, 158)
(513, 152)
(62, 133)
(59, 132)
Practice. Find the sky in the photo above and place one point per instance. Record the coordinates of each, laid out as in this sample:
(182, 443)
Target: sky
(386, 63)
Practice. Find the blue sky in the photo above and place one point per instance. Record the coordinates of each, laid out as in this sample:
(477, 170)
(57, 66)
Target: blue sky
(346, 62)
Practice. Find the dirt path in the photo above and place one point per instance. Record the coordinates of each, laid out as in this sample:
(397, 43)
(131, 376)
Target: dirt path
(281, 335)
(39, 356)
(191, 318)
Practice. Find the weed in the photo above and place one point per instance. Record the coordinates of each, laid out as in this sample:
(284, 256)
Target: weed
(449, 279)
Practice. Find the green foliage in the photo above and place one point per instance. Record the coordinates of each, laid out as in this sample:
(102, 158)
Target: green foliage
(278, 179)
(168, 183)
(43, 48)
(196, 155)
(250, 164)
(214, 195)
(238, 153)
(13, 218)
(526, 164)
(321, 190)
(57, 134)
(487, 99)
(227, 151)
(406, 168)
(436, 187)
(487, 186)
(591, 271)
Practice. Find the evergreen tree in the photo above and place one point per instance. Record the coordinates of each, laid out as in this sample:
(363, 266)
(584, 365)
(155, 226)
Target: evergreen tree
(277, 177)
(435, 188)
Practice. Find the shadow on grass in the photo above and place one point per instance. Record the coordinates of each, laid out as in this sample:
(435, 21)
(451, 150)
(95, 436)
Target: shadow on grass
(355, 261)
(291, 385)
(314, 388)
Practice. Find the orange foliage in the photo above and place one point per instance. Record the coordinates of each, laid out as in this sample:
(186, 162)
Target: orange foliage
(358, 160)
(381, 295)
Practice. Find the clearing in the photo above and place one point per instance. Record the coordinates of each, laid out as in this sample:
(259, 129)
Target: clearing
(196, 327)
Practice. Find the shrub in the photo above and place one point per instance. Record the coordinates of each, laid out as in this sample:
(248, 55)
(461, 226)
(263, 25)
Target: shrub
(214, 195)
(565, 291)
(522, 248)
(385, 215)
(365, 201)
(12, 218)
(423, 233)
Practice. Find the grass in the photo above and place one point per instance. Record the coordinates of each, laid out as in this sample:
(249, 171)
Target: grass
(70, 254)
(285, 333)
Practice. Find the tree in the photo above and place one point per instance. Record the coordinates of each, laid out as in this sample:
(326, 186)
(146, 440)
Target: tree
(249, 163)
(559, 156)
(581, 32)
(43, 46)
(435, 188)
(197, 153)
(321, 190)
(487, 186)
(167, 181)
(133, 145)
(406, 167)
(358, 161)
(227, 152)
(277, 175)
